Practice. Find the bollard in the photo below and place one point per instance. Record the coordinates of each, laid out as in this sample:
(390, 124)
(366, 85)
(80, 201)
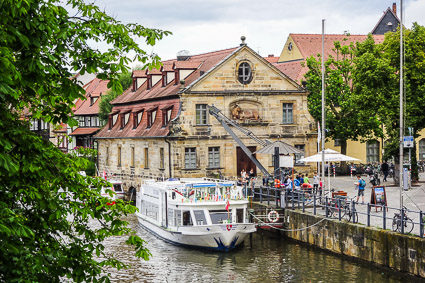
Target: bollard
(293, 204)
(339, 209)
(326, 207)
(368, 214)
(421, 224)
(261, 195)
(353, 209)
(334, 170)
(402, 220)
(351, 172)
(303, 203)
(314, 204)
(384, 225)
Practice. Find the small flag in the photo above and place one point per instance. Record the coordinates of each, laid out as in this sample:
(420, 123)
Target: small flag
(319, 133)
(227, 205)
(104, 175)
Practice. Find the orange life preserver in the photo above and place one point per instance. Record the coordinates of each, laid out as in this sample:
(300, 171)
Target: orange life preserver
(276, 183)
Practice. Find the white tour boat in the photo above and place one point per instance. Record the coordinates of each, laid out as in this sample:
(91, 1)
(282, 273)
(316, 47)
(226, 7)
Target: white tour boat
(195, 212)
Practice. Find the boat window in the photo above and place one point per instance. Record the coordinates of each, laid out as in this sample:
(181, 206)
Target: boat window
(117, 188)
(200, 217)
(239, 215)
(177, 217)
(187, 220)
(219, 216)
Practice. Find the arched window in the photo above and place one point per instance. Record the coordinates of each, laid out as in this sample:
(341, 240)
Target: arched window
(422, 149)
(244, 73)
(372, 151)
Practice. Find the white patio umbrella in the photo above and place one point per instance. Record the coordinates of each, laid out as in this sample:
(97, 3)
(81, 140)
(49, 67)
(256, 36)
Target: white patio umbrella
(330, 156)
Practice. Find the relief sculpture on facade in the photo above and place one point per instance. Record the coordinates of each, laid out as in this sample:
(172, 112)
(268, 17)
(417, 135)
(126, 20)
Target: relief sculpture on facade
(239, 113)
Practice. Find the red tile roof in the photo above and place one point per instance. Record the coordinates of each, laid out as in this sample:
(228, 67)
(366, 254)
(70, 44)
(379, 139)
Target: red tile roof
(208, 60)
(311, 45)
(292, 69)
(94, 89)
(61, 128)
(153, 72)
(139, 74)
(156, 130)
(271, 59)
(83, 131)
(167, 67)
(191, 65)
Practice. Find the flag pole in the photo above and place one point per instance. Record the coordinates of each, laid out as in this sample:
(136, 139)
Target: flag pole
(401, 107)
(323, 103)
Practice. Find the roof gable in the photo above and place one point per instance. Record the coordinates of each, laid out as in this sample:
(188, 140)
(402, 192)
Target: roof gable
(388, 22)
(224, 76)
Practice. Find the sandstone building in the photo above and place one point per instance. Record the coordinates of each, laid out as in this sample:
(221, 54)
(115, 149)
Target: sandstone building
(160, 127)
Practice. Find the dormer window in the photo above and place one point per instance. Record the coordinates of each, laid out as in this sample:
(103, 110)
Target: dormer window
(124, 119)
(93, 100)
(166, 115)
(151, 117)
(137, 118)
(112, 120)
(244, 73)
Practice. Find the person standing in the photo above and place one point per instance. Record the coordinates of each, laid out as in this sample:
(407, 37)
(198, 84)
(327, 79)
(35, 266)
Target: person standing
(361, 184)
(385, 169)
(315, 183)
(251, 177)
(306, 179)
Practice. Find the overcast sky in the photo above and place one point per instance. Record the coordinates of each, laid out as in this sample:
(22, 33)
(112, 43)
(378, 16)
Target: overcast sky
(201, 26)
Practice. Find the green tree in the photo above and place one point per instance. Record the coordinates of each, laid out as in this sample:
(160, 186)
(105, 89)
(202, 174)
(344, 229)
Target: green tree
(104, 105)
(46, 208)
(377, 79)
(345, 119)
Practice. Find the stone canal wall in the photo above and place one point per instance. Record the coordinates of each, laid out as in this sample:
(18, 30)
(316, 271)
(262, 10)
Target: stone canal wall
(397, 251)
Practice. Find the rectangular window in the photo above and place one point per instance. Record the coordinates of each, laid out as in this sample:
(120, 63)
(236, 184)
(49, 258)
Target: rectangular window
(81, 121)
(337, 142)
(201, 114)
(132, 156)
(213, 157)
(87, 120)
(119, 156)
(288, 113)
(161, 158)
(190, 158)
(372, 151)
(146, 157)
(298, 156)
(200, 217)
(107, 156)
(177, 217)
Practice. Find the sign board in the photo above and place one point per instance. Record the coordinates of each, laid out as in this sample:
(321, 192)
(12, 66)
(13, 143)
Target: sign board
(378, 196)
(408, 141)
(286, 161)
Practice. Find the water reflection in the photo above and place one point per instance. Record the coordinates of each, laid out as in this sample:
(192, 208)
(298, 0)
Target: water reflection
(268, 260)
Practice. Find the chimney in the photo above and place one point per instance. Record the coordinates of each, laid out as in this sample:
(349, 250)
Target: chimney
(395, 9)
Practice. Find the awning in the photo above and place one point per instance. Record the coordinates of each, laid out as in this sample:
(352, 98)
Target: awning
(84, 131)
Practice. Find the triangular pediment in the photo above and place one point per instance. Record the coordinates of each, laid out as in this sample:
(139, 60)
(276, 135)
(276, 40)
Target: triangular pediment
(232, 74)
(290, 51)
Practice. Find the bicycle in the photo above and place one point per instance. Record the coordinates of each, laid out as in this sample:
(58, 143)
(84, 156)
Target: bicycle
(407, 222)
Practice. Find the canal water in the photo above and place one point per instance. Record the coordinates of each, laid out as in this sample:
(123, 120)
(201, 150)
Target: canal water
(269, 259)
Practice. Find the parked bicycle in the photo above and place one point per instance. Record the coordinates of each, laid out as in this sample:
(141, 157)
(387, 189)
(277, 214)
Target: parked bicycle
(343, 204)
(407, 222)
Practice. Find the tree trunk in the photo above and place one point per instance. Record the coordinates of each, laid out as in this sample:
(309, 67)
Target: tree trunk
(344, 168)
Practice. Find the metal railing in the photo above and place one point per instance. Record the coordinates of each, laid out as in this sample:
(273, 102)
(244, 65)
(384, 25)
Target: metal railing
(403, 220)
